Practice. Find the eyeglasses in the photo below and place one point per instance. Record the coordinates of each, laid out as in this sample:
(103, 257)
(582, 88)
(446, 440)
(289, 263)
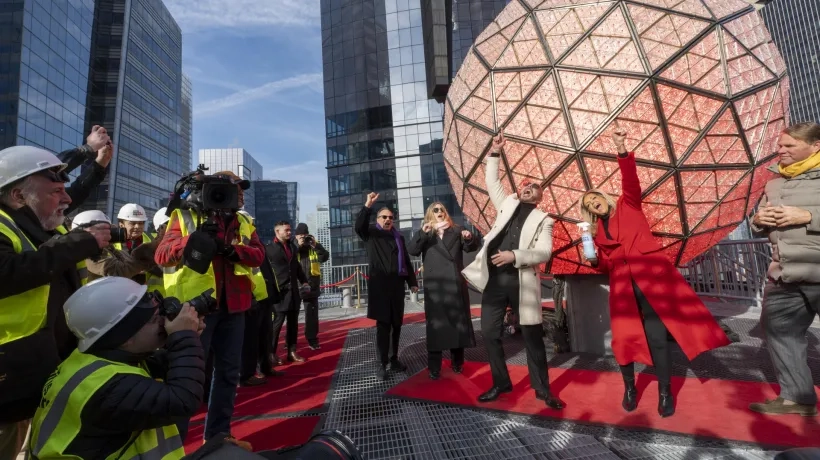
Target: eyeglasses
(438, 210)
(386, 217)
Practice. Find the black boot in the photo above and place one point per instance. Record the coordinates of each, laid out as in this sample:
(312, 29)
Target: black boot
(666, 401)
(630, 401)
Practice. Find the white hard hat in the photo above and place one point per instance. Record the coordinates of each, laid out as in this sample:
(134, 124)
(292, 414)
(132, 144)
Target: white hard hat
(88, 216)
(23, 160)
(160, 218)
(133, 213)
(99, 305)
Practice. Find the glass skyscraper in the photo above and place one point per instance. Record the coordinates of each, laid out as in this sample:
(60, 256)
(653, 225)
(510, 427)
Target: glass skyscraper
(135, 91)
(241, 163)
(795, 28)
(187, 115)
(276, 201)
(44, 56)
(383, 133)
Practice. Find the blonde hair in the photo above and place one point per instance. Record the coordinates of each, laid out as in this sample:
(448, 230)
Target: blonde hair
(589, 217)
(806, 132)
(430, 218)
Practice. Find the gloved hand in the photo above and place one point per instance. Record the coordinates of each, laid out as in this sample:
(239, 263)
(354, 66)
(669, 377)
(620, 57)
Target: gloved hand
(211, 228)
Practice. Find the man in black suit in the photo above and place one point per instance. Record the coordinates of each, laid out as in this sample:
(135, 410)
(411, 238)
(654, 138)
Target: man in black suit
(287, 278)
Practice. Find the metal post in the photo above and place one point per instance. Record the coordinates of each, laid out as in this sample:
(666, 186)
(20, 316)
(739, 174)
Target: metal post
(358, 289)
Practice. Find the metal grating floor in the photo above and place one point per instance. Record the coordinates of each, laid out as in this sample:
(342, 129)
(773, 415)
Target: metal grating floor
(392, 429)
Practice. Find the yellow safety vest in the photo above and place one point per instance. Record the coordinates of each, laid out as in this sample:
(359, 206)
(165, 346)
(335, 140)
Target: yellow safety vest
(182, 282)
(146, 238)
(315, 266)
(58, 419)
(24, 314)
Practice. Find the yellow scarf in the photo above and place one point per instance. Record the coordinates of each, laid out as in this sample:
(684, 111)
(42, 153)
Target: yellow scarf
(796, 169)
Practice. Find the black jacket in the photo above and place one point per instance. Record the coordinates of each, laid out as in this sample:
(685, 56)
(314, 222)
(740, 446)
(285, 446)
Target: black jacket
(288, 274)
(129, 402)
(25, 364)
(304, 259)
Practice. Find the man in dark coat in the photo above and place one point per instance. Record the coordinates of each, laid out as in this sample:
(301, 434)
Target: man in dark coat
(389, 268)
(287, 278)
(25, 364)
(311, 256)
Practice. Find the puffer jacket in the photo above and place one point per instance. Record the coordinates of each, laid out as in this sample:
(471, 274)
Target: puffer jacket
(796, 249)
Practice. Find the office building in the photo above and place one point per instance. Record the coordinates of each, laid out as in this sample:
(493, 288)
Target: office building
(383, 133)
(241, 163)
(134, 91)
(45, 46)
(276, 201)
(795, 28)
(186, 118)
(319, 225)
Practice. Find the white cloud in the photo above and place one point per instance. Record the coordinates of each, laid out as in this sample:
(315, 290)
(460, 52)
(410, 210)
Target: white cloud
(198, 15)
(258, 93)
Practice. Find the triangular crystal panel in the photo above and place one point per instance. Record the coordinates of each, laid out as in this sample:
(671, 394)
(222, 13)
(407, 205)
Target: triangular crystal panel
(664, 34)
(661, 209)
(510, 90)
(721, 145)
(723, 8)
(605, 175)
(472, 143)
(762, 175)
(703, 189)
(693, 7)
(563, 27)
(686, 115)
(700, 66)
(753, 111)
(609, 46)
(750, 30)
(745, 70)
(455, 180)
(525, 50)
(592, 99)
(479, 106)
(492, 48)
(471, 73)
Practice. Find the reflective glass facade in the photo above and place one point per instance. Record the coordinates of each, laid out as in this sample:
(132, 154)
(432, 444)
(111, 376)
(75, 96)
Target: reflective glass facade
(135, 92)
(795, 28)
(44, 54)
(241, 163)
(383, 133)
(276, 200)
(187, 117)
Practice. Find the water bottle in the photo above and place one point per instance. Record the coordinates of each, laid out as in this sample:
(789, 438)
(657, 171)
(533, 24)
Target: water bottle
(586, 240)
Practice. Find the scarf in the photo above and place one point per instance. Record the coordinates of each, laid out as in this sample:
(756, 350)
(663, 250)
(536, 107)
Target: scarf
(397, 237)
(286, 247)
(441, 227)
(800, 167)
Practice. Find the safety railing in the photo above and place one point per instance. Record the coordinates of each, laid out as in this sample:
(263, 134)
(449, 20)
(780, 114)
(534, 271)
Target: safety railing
(731, 270)
(351, 280)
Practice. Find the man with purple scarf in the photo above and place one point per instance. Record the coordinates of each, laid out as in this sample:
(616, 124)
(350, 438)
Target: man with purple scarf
(389, 268)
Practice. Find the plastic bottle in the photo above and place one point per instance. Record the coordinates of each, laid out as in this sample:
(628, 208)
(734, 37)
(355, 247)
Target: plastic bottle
(586, 239)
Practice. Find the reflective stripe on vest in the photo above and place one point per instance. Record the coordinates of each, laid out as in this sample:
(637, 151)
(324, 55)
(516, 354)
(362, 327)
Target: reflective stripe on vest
(58, 420)
(260, 288)
(315, 266)
(24, 314)
(182, 282)
(146, 238)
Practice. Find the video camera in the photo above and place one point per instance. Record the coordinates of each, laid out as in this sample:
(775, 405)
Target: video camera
(169, 307)
(118, 235)
(204, 193)
(309, 240)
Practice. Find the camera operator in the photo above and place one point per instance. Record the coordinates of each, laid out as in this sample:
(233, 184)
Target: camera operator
(41, 266)
(311, 255)
(116, 395)
(207, 245)
(113, 261)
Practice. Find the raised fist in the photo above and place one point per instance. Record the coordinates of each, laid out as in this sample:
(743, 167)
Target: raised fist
(371, 198)
(499, 142)
(619, 138)
(426, 228)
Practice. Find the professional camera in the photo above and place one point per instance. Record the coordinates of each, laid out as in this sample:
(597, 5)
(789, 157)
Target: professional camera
(204, 193)
(118, 235)
(170, 307)
(309, 240)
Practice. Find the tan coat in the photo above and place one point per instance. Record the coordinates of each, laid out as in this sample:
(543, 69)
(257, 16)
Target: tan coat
(535, 248)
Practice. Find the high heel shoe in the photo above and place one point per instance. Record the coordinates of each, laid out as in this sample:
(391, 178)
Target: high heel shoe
(666, 401)
(630, 401)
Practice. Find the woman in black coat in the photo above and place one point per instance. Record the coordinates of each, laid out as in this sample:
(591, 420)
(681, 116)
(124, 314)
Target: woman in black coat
(446, 300)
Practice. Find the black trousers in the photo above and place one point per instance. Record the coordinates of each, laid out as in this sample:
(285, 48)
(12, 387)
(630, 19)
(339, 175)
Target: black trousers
(501, 291)
(387, 340)
(434, 359)
(312, 320)
(256, 348)
(657, 336)
(291, 332)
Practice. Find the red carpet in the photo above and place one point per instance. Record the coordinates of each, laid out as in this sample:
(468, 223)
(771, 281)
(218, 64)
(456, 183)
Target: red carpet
(706, 408)
(263, 434)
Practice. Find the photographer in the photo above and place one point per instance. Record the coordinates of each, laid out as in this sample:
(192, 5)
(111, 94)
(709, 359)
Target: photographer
(153, 277)
(207, 245)
(116, 396)
(311, 255)
(113, 261)
(41, 266)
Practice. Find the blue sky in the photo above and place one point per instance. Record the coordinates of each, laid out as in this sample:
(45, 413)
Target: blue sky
(256, 68)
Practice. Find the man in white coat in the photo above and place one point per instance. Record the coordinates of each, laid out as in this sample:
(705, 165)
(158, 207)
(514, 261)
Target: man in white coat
(506, 272)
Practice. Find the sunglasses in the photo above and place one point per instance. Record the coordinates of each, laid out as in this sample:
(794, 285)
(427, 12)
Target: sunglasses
(55, 175)
(386, 217)
(438, 210)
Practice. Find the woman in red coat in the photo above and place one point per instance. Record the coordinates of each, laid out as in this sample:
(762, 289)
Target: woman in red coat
(649, 300)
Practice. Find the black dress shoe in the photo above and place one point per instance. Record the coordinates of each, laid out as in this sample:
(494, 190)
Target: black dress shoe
(551, 401)
(666, 401)
(381, 372)
(457, 368)
(434, 375)
(493, 393)
(273, 373)
(630, 401)
(397, 366)
(253, 381)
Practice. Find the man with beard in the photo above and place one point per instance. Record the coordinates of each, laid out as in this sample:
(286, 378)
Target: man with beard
(506, 272)
(41, 265)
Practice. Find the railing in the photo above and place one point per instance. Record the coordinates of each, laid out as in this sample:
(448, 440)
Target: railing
(733, 270)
